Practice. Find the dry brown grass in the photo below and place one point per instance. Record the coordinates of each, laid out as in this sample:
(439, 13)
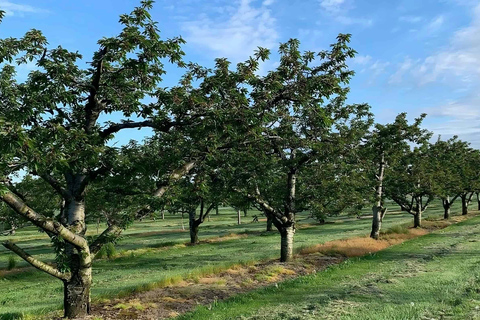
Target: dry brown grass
(360, 246)
(231, 236)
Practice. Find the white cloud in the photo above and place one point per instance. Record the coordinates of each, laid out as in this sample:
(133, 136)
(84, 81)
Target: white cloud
(245, 29)
(12, 9)
(332, 5)
(338, 10)
(457, 63)
(462, 119)
(435, 24)
(404, 68)
(362, 60)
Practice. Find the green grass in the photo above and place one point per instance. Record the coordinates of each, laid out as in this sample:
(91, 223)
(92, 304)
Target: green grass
(164, 261)
(436, 276)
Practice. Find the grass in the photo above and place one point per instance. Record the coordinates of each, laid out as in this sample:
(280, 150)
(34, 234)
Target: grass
(436, 276)
(153, 254)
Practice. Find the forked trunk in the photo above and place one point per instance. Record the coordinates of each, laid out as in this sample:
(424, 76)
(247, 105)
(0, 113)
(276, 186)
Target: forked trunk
(376, 222)
(286, 253)
(417, 220)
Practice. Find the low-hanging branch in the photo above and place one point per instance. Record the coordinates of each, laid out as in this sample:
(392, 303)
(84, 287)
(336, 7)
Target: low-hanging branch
(36, 263)
(43, 222)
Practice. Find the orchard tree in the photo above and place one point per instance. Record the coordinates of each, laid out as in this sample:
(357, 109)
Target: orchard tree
(385, 146)
(51, 128)
(448, 159)
(410, 182)
(469, 175)
(302, 106)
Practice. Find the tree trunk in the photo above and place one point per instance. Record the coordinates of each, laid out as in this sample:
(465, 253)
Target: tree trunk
(376, 222)
(377, 209)
(464, 205)
(77, 293)
(286, 253)
(245, 211)
(216, 210)
(446, 208)
(417, 220)
(478, 200)
(163, 214)
(269, 223)
(192, 223)
(239, 217)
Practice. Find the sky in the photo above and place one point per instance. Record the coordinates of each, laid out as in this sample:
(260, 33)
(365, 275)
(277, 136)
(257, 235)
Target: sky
(413, 56)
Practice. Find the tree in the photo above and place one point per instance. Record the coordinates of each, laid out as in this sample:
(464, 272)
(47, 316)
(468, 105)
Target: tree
(409, 182)
(52, 124)
(448, 160)
(302, 107)
(386, 144)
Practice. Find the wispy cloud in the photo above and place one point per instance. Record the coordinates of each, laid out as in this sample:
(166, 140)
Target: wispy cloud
(17, 9)
(410, 19)
(236, 34)
(339, 11)
(458, 62)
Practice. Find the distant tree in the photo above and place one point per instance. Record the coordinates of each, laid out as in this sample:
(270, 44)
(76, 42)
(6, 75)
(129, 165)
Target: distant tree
(386, 144)
(448, 161)
(469, 175)
(410, 182)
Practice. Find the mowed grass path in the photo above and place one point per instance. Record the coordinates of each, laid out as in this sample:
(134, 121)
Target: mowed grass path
(436, 276)
(33, 292)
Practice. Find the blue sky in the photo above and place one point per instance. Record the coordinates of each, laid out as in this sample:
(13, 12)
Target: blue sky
(413, 56)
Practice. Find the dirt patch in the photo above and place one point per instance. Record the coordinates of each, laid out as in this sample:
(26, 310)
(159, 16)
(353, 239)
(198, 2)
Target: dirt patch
(182, 297)
(360, 246)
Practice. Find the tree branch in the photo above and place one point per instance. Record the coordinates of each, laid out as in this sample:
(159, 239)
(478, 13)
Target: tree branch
(174, 176)
(43, 222)
(36, 263)
(56, 185)
(109, 234)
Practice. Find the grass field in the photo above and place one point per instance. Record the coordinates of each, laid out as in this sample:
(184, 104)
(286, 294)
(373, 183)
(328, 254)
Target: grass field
(153, 253)
(436, 276)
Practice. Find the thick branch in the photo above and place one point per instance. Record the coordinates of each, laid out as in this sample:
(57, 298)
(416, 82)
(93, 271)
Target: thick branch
(126, 125)
(56, 185)
(43, 222)
(174, 176)
(111, 233)
(36, 263)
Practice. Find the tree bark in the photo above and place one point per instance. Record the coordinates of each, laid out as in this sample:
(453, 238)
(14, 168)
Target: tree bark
(446, 208)
(378, 210)
(376, 222)
(216, 210)
(239, 217)
(193, 228)
(269, 223)
(464, 204)
(286, 252)
(245, 211)
(478, 200)
(77, 293)
(417, 220)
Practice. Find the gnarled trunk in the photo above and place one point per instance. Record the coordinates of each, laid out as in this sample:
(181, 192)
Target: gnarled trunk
(286, 252)
(77, 293)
